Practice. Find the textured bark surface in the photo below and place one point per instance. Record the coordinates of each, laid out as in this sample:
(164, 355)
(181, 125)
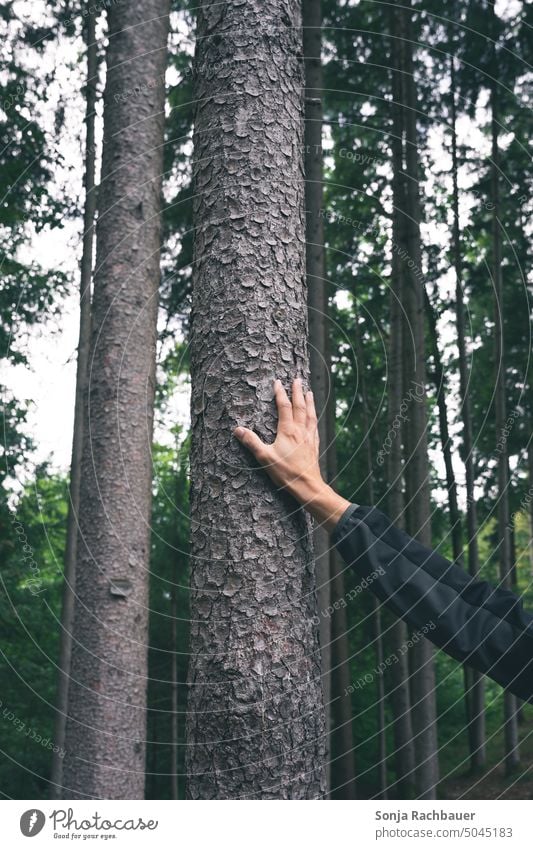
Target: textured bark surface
(255, 724)
(317, 303)
(417, 504)
(69, 578)
(105, 741)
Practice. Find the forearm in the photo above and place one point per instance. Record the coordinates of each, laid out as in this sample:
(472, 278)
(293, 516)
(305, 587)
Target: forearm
(472, 621)
(321, 500)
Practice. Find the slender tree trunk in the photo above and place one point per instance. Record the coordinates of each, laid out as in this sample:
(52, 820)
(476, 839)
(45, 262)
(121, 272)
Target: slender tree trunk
(505, 543)
(512, 537)
(512, 754)
(317, 313)
(152, 723)
(106, 726)
(398, 674)
(376, 605)
(474, 680)
(418, 507)
(397, 632)
(174, 693)
(520, 717)
(255, 725)
(67, 611)
(530, 497)
(174, 683)
(343, 777)
(441, 387)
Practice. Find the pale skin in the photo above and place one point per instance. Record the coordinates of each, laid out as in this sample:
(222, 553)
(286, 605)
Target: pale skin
(292, 460)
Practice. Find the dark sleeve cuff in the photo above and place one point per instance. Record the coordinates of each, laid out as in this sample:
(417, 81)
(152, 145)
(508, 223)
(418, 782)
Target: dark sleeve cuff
(341, 528)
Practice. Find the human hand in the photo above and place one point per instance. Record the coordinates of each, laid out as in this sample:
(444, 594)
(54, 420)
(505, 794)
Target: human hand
(292, 460)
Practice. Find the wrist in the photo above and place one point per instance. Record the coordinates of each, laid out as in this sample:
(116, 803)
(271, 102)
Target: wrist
(307, 488)
(319, 499)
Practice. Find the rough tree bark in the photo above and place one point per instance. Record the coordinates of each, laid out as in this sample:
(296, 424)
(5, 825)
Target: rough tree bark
(416, 470)
(69, 577)
(474, 680)
(317, 312)
(255, 724)
(105, 739)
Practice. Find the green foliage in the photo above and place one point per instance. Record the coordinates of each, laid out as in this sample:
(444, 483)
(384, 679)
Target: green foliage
(169, 576)
(33, 538)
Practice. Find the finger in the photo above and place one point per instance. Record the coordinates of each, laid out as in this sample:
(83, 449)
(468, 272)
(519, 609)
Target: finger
(251, 441)
(311, 420)
(298, 402)
(283, 404)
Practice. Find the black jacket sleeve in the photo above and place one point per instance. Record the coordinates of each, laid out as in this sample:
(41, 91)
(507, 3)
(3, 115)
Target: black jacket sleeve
(469, 619)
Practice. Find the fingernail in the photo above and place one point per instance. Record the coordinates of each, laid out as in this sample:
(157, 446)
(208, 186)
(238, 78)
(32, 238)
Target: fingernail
(238, 431)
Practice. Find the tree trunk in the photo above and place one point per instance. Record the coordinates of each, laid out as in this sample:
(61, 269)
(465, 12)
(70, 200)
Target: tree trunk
(317, 314)
(474, 680)
(418, 507)
(343, 777)
(106, 733)
(255, 724)
(440, 387)
(398, 675)
(530, 499)
(376, 604)
(174, 693)
(397, 632)
(512, 755)
(67, 610)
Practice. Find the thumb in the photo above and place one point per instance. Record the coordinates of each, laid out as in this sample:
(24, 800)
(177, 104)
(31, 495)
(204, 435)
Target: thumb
(250, 440)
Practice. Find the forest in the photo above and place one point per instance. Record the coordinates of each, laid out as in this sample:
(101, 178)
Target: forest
(197, 199)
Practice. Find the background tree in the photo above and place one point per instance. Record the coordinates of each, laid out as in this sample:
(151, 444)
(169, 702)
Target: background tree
(317, 304)
(416, 468)
(107, 694)
(67, 613)
(507, 562)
